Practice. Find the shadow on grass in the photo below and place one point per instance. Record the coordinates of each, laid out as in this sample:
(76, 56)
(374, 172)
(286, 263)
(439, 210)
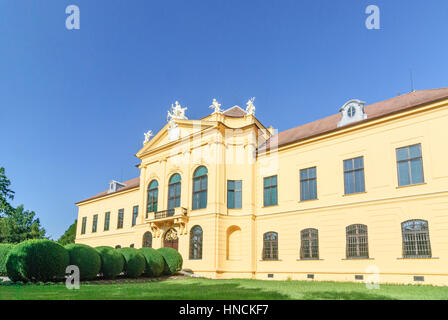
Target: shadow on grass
(141, 291)
(182, 290)
(227, 291)
(350, 295)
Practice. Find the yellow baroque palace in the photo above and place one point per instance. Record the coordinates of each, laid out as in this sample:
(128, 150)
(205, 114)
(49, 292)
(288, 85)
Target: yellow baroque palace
(361, 195)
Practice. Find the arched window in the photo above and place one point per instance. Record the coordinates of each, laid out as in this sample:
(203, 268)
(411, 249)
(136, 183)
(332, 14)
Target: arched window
(270, 246)
(174, 191)
(309, 247)
(416, 242)
(357, 244)
(196, 243)
(117, 246)
(153, 194)
(200, 188)
(131, 245)
(147, 240)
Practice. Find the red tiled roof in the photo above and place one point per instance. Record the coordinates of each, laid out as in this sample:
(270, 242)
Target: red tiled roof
(376, 110)
(133, 183)
(235, 112)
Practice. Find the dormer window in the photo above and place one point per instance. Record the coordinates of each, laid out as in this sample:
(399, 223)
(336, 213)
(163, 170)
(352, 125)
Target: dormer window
(114, 186)
(352, 111)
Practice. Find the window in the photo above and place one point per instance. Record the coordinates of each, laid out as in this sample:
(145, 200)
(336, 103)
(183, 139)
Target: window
(416, 242)
(153, 194)
(131, 245)
(409, 165)
(308, 184)
(95, 223)
(134, 215)
(357, 244)
(270, 246)
(120, 218)
(106, 221)
(351, 111)
(174, 191)
(354, 175)
(200, 188)
(234, 194)
(83, 226)
(270, 191)
(117, 246)
(309, 248)
(196, 243)
(147, 240)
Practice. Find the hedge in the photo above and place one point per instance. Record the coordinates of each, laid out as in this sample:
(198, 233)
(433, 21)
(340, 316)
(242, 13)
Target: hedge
(135, 262)
(86, 258)
(4, 250)
(173, 260)
(37, 260)
(112, 262)
(154, 262)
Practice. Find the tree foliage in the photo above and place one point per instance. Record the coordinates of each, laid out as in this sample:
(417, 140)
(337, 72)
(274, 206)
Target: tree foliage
(6, 194)
(16, 224)
(20, 225)
(69, 235)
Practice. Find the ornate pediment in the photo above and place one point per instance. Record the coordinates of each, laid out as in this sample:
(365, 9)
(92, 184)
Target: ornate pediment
(175, 130)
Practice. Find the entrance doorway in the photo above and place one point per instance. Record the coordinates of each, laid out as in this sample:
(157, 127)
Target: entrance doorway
(170, 240)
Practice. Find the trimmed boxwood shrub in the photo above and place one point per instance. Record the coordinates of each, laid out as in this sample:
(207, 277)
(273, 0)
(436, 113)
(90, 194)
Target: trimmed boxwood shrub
(112, 262)
(173, 260)
(37, 260)
(86, 258)
(154, 262)
(135, 262)
(4, 250)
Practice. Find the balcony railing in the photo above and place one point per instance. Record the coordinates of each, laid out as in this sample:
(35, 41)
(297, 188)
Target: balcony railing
(163, 214)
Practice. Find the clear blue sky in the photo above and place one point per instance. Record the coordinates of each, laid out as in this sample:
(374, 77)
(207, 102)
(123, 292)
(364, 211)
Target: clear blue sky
(74, 104)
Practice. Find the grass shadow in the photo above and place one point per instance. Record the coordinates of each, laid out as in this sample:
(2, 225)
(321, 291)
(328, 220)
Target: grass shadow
(346, 295)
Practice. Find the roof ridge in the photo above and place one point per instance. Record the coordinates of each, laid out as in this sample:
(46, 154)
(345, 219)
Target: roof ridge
(235, 106)
(129, 184)
(235, 111)
(373, 110)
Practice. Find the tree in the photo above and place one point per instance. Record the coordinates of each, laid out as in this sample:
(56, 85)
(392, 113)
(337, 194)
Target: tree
(16, 224)
(20, 225)
(5, 193)
(69, 235)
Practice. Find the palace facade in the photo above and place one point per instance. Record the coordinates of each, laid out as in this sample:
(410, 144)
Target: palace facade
(361, 195)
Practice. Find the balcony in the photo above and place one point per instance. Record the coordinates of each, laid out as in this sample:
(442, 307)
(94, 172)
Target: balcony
(160, 221)
(164, 214)
(168, 214)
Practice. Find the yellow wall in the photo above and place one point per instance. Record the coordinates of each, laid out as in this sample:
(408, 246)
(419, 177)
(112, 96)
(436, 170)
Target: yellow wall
(233, 238)
(123, 237)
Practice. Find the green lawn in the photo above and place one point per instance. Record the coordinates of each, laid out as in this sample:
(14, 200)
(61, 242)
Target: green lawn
(225, 289)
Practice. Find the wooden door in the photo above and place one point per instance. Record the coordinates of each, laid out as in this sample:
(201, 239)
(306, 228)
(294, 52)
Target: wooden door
(170, 240)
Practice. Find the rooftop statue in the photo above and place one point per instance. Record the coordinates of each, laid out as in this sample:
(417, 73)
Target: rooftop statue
(216, 106)
(177, 112)
(250, 107)
(148, 136)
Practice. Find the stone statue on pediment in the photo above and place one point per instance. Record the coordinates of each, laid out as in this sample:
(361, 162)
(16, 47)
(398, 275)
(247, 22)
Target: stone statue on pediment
(250, 107)
(177, 112)
(216, 106)
(148, 136)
